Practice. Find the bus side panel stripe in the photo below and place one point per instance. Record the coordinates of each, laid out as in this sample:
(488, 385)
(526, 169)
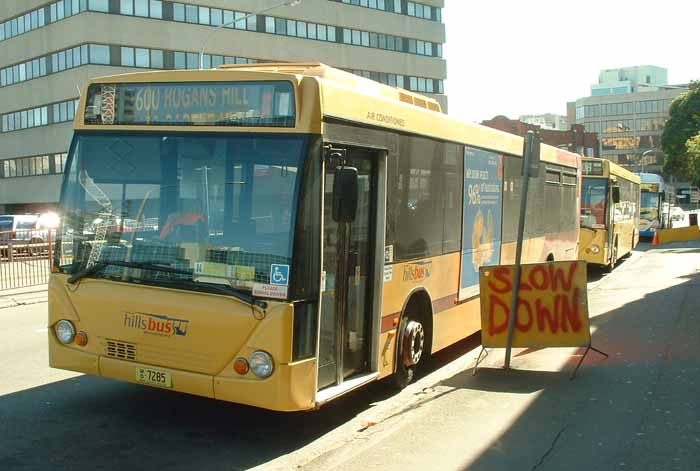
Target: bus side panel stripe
(439, 305)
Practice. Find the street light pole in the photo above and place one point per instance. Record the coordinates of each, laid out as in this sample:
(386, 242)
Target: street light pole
(288, 3)
(644, 154)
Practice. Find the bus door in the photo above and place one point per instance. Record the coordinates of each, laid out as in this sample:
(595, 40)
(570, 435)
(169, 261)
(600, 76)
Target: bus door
(348, 267)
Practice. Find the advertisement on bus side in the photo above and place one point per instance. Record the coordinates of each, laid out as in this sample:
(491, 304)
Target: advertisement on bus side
(481, 222)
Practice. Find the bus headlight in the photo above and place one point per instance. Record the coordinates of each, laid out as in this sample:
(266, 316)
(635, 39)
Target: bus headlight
(595, 249)
(64, 331)
(261, 364)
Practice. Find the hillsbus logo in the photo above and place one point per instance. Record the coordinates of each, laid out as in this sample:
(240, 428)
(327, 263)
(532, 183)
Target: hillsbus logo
(155, 324)
(417, 271)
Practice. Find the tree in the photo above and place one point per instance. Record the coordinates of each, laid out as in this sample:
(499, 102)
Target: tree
(683, 123)
(693, 157)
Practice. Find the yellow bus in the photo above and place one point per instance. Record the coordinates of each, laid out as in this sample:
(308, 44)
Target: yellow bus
(610, 205)
(280, 234)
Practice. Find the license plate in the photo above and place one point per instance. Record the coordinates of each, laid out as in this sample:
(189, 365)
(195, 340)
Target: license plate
(154, 377)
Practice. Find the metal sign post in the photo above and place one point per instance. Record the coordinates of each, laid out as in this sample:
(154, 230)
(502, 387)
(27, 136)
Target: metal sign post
(531, 165)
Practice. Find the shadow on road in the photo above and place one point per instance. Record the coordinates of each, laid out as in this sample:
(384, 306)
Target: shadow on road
(115, 425)
(637, 407)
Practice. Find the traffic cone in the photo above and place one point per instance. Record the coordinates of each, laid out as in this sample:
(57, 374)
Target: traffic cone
(655, 240)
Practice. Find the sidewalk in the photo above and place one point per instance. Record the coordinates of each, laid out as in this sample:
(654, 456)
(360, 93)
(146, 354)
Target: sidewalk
(636, 410)
(21, 296)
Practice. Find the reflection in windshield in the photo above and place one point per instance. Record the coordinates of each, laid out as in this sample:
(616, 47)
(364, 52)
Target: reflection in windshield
(593, 200)
(217, 210)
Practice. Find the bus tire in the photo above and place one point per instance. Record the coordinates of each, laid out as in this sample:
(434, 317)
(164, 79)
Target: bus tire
(412, 346)
(613, 259)
(632, 246)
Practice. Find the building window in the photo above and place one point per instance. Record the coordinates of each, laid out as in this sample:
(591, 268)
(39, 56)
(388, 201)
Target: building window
(126, 7)
(32, 166)
(156, 59)
(99, 54)
(127, 56)
(60, 162)
(99, 5)
(143, 58)
(156, 9)
(178, 12)
(180, 60)
(191, 14)
(414, 9)
(204, 18)
(217, 17)
(141, 8)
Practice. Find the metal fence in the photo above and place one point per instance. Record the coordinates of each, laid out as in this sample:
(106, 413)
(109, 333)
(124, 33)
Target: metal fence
(25, 257)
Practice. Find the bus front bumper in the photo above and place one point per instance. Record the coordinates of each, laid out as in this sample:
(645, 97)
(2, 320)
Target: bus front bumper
(290, 388)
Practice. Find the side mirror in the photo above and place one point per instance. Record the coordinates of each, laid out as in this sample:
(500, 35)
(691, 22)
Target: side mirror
(345, 194)
(616, 194)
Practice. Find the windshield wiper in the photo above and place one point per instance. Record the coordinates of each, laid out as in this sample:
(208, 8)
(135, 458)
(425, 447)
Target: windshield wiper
(98, 266)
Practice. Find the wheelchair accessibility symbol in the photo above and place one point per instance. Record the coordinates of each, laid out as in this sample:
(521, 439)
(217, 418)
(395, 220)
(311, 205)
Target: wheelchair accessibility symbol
(279, 275)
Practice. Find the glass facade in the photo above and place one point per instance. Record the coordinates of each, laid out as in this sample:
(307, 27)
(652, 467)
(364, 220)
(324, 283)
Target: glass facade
(415, 84)
(418, 10)
(149, 12)
(181, 12)
(628, 127)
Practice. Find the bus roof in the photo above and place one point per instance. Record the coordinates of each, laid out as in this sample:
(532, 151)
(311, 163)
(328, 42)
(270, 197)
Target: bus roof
(347, 97)
(651, 178)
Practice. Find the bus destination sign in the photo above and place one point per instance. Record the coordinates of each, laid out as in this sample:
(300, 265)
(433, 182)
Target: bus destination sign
(250, 104)
(592, 168)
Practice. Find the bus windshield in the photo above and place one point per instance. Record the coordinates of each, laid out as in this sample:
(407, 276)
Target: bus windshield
(5, 223)
(214, 211)
(593, 200)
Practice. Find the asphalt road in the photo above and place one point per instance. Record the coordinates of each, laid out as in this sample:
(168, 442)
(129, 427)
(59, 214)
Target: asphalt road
(637, 410)
(54, 419)
(50, 419)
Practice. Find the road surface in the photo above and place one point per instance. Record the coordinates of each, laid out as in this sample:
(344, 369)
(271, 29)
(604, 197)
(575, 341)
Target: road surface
(637, 410)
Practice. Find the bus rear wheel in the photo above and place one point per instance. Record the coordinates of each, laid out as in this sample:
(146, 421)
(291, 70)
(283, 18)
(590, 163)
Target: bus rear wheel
(613, 259)
(410, 350)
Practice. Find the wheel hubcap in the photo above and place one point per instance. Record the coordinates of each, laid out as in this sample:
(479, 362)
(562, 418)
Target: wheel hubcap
(414, 338)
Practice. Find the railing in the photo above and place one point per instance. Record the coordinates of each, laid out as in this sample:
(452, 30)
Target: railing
(25, 257)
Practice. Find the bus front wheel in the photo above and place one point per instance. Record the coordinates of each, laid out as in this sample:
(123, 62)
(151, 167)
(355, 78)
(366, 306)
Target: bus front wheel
(411, 349)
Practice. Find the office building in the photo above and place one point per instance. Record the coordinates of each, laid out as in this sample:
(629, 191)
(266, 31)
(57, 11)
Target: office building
(49, 49)
(628, 109)
(630, 80)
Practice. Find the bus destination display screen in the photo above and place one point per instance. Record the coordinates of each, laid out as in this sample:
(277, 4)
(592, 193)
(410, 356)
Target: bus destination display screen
(247, 104)
(592, 168)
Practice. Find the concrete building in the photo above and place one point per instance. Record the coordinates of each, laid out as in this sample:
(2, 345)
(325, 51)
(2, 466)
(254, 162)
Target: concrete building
(574, 139)
(629, 80)
(629, 116)
(547, 121)
(49, 49)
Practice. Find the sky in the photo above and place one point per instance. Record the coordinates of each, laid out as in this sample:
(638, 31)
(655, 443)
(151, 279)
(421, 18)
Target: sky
(514, 57)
